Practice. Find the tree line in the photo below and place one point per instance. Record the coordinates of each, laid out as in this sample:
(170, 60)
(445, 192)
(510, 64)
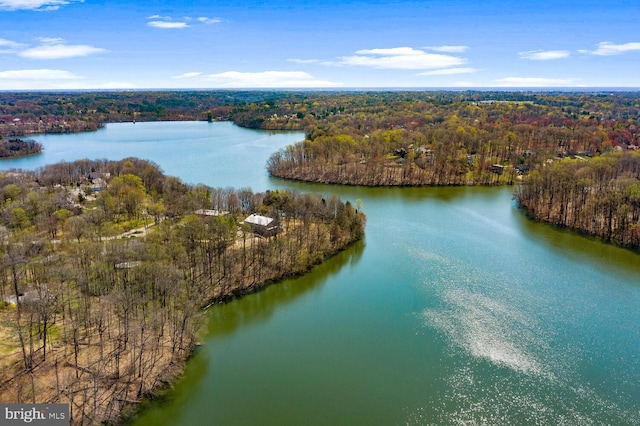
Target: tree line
(24, 113)
(600, 197)
(109, 265)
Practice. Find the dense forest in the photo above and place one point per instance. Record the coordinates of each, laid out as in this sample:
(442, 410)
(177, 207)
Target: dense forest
(106, 267)
(382, 138)
(370, 138)
(427, 139)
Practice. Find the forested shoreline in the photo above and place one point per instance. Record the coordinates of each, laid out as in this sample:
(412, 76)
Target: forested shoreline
(388, 138)
(600, 197)
(455, 138)
(108, 264)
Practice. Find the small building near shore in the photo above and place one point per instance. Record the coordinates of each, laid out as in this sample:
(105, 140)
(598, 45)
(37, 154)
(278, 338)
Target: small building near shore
(262, 225)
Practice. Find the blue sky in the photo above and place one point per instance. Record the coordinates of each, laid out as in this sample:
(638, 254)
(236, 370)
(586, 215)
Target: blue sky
(115, 44)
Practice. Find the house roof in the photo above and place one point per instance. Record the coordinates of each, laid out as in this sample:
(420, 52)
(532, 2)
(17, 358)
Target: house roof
(256, 219)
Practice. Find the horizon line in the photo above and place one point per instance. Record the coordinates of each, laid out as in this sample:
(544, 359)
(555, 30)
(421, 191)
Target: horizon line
(343, 89)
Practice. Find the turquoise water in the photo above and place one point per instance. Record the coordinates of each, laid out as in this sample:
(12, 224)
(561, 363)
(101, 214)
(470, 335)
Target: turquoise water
(219, 154)
(455, 309)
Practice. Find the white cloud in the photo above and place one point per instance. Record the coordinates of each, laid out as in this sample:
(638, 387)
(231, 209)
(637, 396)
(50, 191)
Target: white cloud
(50, 79)
(40, 74)
(535, 82)
(38, 5)
(606, 48)
(265, 79)
(448, 49)
(303, 61)
(450, 71)
(8, 46)
(394, 51)
(50, 48)
(405, 58)
(50, 40)
(315, 61)
(54, 48)
(205, 20)
(168, 25)
(401, 58)
(188, 75)
(167, 22)
(544, 55)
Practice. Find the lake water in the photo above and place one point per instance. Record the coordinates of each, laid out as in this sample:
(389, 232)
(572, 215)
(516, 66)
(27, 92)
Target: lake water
(218, 154)
(455, 309)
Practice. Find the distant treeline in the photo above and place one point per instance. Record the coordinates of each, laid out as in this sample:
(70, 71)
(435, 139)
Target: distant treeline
(18, 147)
(24, 113)
(112, 262)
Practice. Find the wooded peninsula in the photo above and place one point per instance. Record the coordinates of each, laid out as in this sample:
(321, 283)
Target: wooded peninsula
(108, 264)
(17, 148)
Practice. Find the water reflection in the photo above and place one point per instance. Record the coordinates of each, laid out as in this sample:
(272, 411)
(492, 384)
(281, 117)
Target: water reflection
(226, 321)
(258, 307)
(580, 247)
(402, 194)
(152, 412)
